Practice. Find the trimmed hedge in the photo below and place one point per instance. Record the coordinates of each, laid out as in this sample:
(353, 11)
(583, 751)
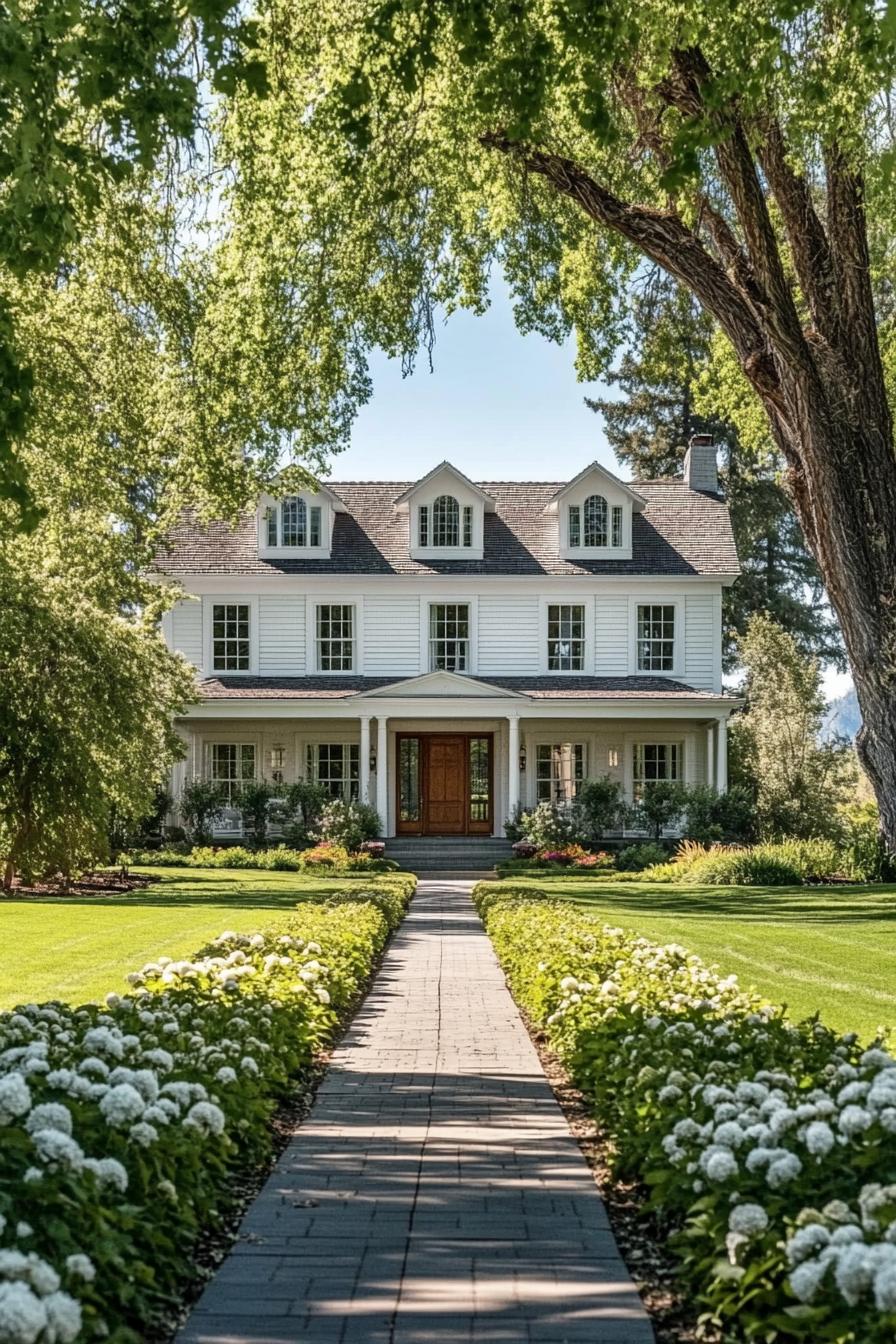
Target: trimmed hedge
(279, 858)
(768, 1147)
(123, 1128)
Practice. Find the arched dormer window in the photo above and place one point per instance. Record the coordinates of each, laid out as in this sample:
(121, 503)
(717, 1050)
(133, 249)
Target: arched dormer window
(595, 519)
(602, 525)
(292, 523)
(445, 521)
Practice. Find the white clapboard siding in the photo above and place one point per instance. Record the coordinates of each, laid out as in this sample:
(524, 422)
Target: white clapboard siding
(186, 630)
(701, 637)
(281, 635)
(508, 636)
(611, 643)
(391, 636)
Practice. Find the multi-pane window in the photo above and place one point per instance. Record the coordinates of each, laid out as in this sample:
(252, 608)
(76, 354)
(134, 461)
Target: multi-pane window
(449, 637)
(566, 638)
(445, 521)
(595, 521)
(468, 525)
(335, 637)
(336, 767)
(423, 522)
(656, 638)
(232, 766)
(560, 769)
(230, 637)
(654, 761)
(293, 523)
(603, 526)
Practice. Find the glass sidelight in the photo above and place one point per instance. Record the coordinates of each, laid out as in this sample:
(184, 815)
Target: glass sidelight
(409, 779)
(480, 774)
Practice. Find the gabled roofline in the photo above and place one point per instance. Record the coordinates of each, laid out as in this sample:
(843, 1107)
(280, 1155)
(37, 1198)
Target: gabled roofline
(320, 489)
(486, 498)
(638, 501)
(468, 685)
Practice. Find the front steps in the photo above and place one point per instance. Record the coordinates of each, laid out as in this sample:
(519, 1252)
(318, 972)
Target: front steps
(455, 854)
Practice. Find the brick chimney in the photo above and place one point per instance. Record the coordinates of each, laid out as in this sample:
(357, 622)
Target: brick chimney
(701, 470)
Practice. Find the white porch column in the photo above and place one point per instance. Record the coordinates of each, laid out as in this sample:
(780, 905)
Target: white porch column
(710, 757)
(382, 772)
(722, 756)
(364, 763)
(513, 763)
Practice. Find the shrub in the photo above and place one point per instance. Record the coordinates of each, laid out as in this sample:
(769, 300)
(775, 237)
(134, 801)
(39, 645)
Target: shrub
(200, 802)
(635, 858)
(325, 855)
(303, 803)
(254, 800)
(514, 826)
(785, 863)
(125, 1128)
(599, 807)
(348, 824)
(660, 805)
(758, 1137)
(865, 856)
(712, 816)
(549, 826)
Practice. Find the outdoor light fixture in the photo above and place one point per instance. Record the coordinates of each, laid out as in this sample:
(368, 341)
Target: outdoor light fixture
(613, 757)
(372, 761)
(522, 758)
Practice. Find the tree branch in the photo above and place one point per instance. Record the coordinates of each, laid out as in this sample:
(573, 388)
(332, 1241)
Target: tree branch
(666, 240)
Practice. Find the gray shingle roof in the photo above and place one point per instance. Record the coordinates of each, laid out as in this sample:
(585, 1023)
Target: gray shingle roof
(680, 531)
(538, 688)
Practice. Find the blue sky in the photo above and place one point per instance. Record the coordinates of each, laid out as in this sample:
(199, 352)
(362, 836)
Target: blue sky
(498, 405)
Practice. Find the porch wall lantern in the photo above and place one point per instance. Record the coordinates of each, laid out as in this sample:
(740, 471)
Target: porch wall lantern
(372, 760)
(522, 758)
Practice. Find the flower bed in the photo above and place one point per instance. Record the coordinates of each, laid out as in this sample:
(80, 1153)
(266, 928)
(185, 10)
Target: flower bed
(123, 1127)
(322, 858)
(767, 1146)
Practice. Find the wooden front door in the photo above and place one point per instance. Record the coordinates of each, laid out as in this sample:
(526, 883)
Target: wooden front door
(444, 784)
(445, 793)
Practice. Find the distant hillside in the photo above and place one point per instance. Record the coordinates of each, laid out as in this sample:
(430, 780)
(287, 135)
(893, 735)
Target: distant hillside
(843, 718)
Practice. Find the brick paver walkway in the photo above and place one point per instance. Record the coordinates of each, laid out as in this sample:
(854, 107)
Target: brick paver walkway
(434, 1195)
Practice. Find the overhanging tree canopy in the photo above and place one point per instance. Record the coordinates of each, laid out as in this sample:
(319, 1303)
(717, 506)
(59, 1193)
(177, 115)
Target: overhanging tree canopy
(409, 145)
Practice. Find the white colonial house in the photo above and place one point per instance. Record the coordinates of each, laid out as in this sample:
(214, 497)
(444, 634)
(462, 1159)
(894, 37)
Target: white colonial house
(448, 649)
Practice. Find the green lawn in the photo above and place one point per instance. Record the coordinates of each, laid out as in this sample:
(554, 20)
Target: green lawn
(77, 949)
(825, 949)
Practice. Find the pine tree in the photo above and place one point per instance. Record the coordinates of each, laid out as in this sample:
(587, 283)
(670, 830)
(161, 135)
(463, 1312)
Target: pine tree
(665, 376)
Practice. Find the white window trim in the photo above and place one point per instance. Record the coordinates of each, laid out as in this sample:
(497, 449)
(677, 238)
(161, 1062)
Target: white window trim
(430, 552)
(685, 737)
(333, 600)
(311, 501)
(582, 552)
(548, 739)
(585, 600)
(472, 605)
(334, 738)
(676, 673)
(209, 602)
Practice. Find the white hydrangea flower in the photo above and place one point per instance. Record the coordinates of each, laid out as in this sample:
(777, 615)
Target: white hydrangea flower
(819, 1138)
(805, 1280)
(121, 1105)
(854, 1272)
(109, 1172)
(23, 1317)
(206, 1117)
(143, 1134)
(57, 1149)
(806, 1241)
(15, 1097)
(854, 1120)
(49, 1115)
(82, 1267)
(748, 1220)
(63, 1318)
(885, 1287)
(719, 1164)
(784, 1169)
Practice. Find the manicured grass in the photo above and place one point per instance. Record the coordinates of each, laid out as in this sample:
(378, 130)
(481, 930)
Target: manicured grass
(830, 950)
(77, 949)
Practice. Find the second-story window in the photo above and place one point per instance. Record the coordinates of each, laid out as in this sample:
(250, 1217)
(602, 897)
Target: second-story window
(335, 637)
(656, 638)
(449, 637)
(566, 637)
(230, 637)
(595, 521)
(603, 525)
(294, 523)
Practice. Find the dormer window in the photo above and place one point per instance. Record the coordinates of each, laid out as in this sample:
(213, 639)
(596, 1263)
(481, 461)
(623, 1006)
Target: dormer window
(595, 523)
(603, 523)
(446, 524)
(292, 522)
(298, 525)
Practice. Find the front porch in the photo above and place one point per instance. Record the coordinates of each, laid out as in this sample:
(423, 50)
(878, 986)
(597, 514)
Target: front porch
(449, 756)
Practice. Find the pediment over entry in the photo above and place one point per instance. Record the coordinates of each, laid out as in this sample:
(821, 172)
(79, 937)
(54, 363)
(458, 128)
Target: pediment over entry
(442, 683)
